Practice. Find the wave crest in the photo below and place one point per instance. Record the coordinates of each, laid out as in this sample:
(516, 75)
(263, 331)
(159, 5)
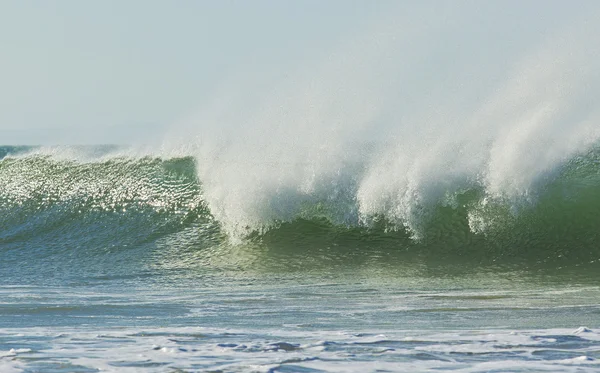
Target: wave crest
(127, 200)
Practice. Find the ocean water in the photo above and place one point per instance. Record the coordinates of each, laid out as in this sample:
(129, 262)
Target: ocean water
(122, 260)
(423, 197)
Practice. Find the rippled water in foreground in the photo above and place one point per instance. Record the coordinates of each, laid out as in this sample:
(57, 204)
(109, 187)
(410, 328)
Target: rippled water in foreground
(349, 322)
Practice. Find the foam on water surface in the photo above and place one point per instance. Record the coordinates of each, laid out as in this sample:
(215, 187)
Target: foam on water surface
(205, 349)
(468, 324)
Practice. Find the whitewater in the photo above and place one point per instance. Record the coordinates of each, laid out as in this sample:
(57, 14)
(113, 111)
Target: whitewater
(419, 198)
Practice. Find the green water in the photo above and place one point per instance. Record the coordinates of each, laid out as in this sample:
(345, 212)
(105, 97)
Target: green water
(113, 262)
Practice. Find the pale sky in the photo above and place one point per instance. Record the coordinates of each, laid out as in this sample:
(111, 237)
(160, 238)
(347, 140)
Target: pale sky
(105, 71)
(81, 72)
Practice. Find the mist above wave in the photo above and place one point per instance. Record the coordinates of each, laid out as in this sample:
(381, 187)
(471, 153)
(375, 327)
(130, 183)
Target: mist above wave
(430, 102)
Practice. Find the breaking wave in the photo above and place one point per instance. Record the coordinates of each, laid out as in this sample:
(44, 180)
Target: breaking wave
(114, 202)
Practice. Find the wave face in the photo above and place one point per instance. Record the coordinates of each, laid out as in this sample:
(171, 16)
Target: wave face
(104, 208)
(80, 208)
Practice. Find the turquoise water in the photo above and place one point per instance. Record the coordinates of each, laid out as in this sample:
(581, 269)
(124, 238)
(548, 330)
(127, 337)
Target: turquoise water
(113, 260)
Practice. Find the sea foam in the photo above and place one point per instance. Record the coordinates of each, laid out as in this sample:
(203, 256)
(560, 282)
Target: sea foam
(407, 116)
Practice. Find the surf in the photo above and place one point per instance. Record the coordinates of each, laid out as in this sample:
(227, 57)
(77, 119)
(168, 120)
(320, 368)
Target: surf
(130, 206)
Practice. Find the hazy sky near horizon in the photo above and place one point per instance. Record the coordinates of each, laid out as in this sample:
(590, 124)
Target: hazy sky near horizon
(81, 72)
(110, 71)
